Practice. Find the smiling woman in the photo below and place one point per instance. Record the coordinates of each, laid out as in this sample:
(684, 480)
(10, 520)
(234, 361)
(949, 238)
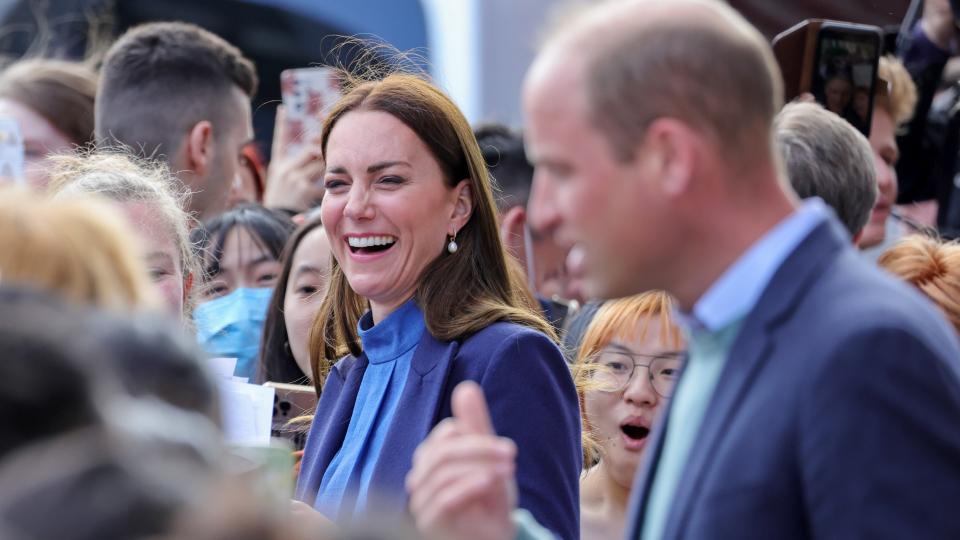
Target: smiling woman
(422, 297)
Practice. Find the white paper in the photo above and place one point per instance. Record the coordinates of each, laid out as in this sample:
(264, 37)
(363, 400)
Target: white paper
(224, 367)
(247, 412)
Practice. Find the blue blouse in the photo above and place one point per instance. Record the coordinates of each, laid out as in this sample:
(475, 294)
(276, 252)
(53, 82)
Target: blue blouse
(389, 347)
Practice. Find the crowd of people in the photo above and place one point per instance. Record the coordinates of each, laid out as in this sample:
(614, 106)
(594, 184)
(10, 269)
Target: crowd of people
(671, 306)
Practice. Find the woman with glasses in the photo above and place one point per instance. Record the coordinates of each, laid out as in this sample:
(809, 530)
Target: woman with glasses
(625, 370)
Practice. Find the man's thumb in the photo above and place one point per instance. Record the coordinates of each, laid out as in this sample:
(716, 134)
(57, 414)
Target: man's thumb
(470, 408)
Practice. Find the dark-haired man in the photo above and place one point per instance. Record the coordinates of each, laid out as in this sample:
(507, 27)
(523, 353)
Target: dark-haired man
(176, 92)
(541, 257)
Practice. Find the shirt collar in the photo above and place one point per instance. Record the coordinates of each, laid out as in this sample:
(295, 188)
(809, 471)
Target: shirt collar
(394, 336)
(738, 289)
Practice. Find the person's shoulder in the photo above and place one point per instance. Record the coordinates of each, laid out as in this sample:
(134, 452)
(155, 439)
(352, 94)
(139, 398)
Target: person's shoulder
(500, 334)
(503, 342)
(854, 297)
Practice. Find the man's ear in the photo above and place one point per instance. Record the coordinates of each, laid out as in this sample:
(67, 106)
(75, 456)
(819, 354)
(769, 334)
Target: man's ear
(857, 237)
(670, 148)
(463, 206)
(198, 153)
(511, 232)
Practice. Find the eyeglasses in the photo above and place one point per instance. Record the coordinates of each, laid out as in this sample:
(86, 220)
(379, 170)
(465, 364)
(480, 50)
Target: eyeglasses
(617, 368)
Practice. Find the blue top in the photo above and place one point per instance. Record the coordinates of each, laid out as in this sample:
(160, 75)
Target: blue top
(532, 401)
(389, 347)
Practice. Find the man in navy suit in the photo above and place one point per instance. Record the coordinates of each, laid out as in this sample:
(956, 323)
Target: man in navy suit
(821, 398)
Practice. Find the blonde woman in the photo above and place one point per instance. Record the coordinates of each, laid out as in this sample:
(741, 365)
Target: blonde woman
(152, 201)
(76, 248)
(931, 266)
(625, 370)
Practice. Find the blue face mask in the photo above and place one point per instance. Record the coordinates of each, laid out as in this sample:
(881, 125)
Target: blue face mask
(231, 326)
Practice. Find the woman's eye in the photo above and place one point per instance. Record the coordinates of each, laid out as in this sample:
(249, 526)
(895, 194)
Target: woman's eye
(391, 180)
(617, 367)
(268, 277)
(215, 291)
(307, 290)
(333, 183)
(156, 274)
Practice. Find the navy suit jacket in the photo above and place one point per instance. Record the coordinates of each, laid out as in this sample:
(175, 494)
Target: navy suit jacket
(532, 400)
(837, 414)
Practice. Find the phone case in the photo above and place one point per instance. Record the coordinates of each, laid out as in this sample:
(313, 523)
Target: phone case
(308, 94)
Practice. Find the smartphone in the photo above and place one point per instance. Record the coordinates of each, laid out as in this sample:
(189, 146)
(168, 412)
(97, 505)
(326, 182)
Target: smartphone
(11, 151)
(834, 61)
(308, 94)
(291, 402)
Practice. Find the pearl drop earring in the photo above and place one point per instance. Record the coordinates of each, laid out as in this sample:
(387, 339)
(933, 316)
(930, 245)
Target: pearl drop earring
(452, 246)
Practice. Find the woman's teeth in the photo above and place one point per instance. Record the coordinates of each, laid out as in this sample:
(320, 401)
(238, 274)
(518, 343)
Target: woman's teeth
(370, 241)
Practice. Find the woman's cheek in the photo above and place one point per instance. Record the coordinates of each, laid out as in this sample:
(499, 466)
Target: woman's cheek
(170, 290)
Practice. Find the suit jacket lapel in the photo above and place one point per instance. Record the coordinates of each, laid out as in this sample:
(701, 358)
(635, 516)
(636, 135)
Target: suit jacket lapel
(415, 416)
(750, 351)
(339, 396)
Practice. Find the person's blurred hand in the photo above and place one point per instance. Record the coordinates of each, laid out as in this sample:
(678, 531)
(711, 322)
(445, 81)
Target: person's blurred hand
(304, 518)
(462, 484)
(937, 22)
(293, 180)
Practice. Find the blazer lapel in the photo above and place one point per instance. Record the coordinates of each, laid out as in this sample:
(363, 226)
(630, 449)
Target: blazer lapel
(415, 416)
(749, 353)
(338, 396)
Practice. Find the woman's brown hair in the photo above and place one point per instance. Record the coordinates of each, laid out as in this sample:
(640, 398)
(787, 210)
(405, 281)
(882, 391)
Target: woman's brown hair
(460, 293)
(62, 92)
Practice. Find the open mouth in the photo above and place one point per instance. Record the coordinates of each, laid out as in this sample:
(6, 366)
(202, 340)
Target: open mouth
(635, 433)
(370, 244)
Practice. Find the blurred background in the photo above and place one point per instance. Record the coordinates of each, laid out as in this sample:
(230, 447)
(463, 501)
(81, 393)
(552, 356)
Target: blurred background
(478, 50)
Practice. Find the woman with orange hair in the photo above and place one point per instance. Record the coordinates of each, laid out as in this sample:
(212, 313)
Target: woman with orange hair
(625, 370)
(931, 266)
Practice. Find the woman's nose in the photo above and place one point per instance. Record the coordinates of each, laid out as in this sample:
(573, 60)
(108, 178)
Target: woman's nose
(358, 204)
(639, 389)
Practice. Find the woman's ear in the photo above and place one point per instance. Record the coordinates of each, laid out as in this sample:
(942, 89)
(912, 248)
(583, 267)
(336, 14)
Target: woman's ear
(463, 205)
(187, 286)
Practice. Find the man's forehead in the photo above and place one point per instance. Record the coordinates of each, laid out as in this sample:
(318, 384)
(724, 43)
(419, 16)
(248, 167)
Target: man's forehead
(554, 86)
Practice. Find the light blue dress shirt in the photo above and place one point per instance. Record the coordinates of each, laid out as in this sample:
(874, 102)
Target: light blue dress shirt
(712, 329)
(389, 347)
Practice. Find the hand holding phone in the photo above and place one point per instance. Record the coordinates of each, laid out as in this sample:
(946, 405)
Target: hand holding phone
(834, 61)
(308, 94)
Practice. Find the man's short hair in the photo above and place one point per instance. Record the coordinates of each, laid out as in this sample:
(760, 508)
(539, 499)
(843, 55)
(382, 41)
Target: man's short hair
(506, 160)
(827, 157)
(670, 68)
(160, 79)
